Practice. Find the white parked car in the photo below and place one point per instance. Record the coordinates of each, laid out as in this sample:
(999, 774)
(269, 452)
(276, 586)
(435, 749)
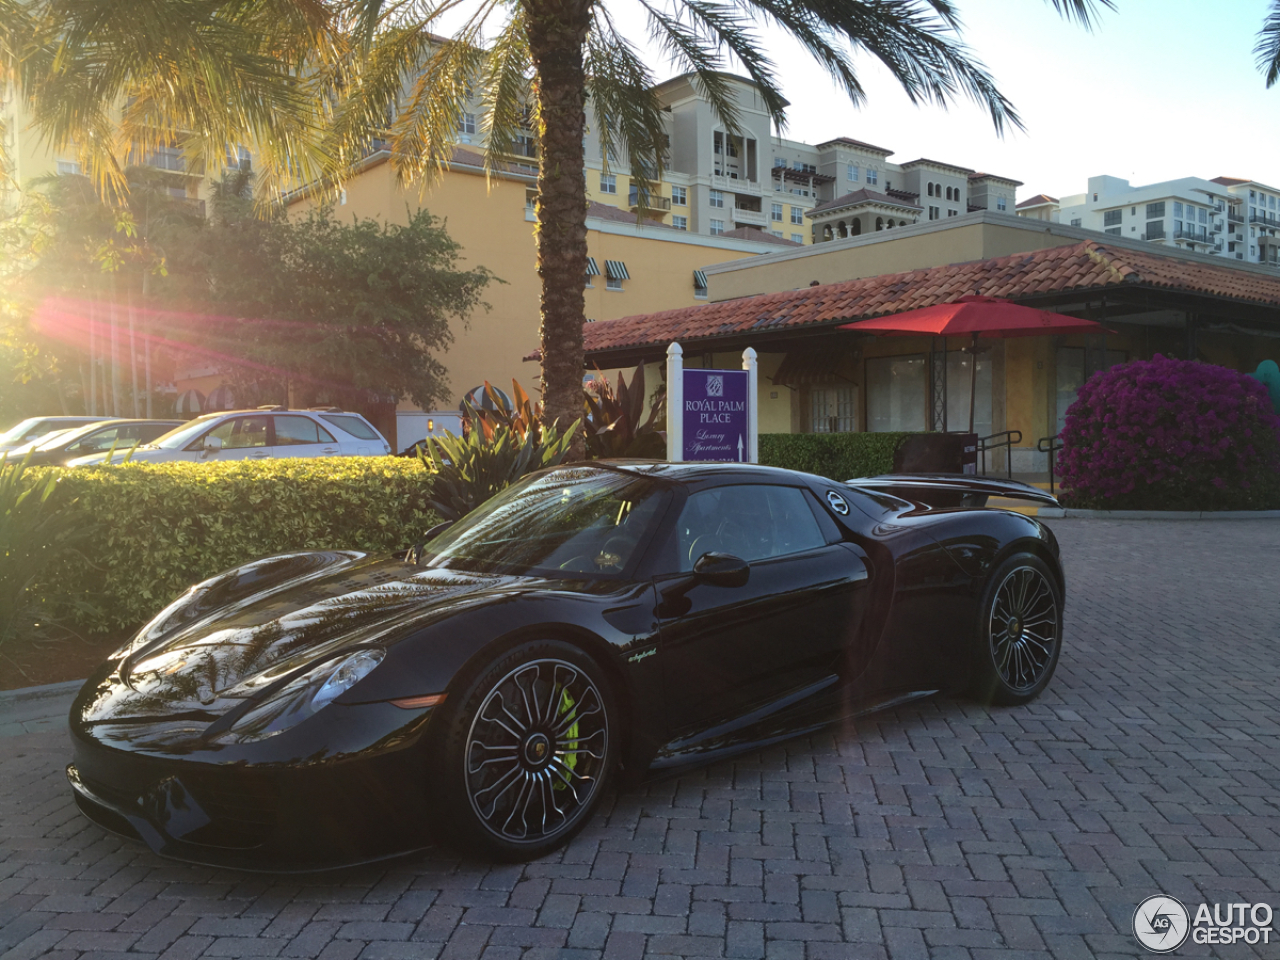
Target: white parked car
(258, 435)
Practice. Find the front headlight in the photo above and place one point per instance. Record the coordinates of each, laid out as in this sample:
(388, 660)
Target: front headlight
(302, 697)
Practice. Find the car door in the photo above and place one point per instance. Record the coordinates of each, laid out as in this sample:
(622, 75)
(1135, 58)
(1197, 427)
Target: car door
(243, 438)
(298, 436)
(727, 649)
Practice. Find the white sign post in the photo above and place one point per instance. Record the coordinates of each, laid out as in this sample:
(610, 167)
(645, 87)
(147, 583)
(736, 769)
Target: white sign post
(715, 402)
(675, 402)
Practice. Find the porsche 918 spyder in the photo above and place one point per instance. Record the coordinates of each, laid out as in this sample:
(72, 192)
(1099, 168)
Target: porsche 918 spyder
(593, 621)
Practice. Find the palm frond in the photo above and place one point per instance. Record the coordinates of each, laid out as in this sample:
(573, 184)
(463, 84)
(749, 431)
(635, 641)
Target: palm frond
(507, 93)
(1267, 50)
(1084, 12)
(628, 112)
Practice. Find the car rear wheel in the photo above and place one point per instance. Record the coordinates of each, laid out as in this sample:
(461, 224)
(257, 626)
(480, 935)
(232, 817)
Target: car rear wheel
(527, 752)
(1019, 632)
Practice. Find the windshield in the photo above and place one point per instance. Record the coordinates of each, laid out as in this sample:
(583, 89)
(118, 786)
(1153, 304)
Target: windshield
(55, 440)
(15, 433)
(179, 437)
(578, 520)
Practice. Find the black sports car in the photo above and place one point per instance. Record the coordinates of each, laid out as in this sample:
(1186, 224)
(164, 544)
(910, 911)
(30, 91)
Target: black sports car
(329, 707)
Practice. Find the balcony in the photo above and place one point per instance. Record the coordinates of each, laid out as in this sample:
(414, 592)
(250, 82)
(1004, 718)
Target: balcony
(754, 218)
(1154, 235)
(1192, 236)
(1263, 220)
(1235, 215)
(652, 201)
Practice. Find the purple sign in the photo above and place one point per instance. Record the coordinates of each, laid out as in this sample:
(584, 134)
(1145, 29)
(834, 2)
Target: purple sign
(715, 415)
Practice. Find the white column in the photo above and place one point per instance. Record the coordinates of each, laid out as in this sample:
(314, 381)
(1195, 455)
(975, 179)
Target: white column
(675, 402)
(753, 405)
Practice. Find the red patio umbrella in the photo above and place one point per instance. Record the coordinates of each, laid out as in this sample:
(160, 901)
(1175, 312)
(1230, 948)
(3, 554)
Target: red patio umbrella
(975, 316)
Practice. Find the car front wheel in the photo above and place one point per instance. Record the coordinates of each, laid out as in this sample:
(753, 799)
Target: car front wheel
(527, 752)
(1019, 632)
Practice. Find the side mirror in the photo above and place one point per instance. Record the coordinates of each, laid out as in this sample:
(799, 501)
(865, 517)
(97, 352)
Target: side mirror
(722, 570)
(435, 531)
(414, 553)
(212, 444)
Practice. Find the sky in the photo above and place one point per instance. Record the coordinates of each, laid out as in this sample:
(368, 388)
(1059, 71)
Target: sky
(1160, 89)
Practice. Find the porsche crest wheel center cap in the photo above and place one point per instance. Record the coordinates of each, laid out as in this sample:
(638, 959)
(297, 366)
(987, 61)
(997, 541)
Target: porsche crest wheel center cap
(537, 749)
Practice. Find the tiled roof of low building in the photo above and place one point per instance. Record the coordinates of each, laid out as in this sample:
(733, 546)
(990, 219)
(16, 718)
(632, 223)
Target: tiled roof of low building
(936, 163)
(603, 211)
(856, 143)
(1038, 199)
(1229, 181)
(1089, 265)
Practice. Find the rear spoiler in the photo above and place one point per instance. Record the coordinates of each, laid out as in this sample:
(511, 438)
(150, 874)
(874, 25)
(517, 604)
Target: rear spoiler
(952, 489)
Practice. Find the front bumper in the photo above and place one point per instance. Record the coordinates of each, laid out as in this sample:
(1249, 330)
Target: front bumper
(306, 812)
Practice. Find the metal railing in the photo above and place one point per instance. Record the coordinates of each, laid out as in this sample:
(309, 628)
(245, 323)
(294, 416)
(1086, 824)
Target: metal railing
(1235, 215)
(1005, 439)
(1263, 219)
(1153, 235)
(1050, 445)
(1182, 233)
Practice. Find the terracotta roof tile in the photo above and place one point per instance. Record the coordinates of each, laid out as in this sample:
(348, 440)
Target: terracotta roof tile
(1035, 201)
(1087, 265)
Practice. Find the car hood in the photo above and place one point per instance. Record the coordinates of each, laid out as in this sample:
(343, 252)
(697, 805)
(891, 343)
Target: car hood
(234, 637)
(140, 455)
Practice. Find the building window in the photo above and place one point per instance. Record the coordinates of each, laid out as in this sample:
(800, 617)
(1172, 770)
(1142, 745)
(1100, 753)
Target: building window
(833, 409)
(797, 216)
(717, 227)
(775, 212)
(775, 233)
(1253, 251)
(608, 183)
(952, 213)
(1001, 203)
(68, 167)
(896, 388)
(467, 123)
(934, 213)
(1177, 208)
(872, 175)
(679, 196)
(928, 189)
(717, 198)
(612, 283)
(1114, 231)
(779, 162)
(1155, 210)
(680, 223)
(1112, 217)
(1155, 229)
(797, 238)
(1203, 215)
(699, 284)
(1075, 222)
(852, 173)
(342, 197)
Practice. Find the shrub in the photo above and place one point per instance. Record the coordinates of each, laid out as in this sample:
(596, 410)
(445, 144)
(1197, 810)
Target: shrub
(1168, 434)
(837, 456)
(38, 524)
(615, 421)
(467, 471)
(163, 527)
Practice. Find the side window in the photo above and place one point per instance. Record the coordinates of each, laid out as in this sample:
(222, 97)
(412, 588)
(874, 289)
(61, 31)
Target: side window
(240, 433)
(295, 430)
(97, 441)
(353, 425)
(753, 522)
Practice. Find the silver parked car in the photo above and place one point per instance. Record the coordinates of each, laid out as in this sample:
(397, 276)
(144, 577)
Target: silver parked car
(33, 428)
(259, 435)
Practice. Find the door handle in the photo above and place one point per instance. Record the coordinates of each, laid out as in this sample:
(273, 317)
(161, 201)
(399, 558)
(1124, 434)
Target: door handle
(329, 450)
(260, 456)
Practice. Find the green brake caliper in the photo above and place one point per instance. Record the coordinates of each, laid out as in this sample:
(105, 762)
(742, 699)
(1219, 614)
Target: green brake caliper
(570, 738)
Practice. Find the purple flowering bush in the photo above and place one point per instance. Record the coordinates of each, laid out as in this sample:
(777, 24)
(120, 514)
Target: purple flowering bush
(1166, 434)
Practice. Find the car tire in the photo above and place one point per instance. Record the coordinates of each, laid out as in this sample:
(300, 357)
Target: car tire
(1019, 632)
(525, 752)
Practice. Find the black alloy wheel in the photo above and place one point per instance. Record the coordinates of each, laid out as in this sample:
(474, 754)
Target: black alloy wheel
(528, 754)
(1019, 632)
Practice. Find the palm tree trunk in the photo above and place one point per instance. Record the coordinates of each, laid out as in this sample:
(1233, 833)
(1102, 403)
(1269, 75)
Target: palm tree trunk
(557, 30)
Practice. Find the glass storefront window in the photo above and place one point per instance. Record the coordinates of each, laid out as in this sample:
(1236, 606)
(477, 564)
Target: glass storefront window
(1070, 376)
(958, 393)
(896, 393)
(833, 409)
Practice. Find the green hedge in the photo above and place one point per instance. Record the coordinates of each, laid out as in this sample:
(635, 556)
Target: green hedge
(162, 527)
(837, 456)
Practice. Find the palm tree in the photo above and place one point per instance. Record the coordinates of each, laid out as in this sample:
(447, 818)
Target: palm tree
(309, 83)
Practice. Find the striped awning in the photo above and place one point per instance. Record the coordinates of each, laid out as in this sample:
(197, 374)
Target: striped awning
(699, 280)
(592, 269)
(616, 270)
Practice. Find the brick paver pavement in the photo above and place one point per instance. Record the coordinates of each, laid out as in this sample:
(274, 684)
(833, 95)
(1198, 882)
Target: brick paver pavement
(941, 830)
